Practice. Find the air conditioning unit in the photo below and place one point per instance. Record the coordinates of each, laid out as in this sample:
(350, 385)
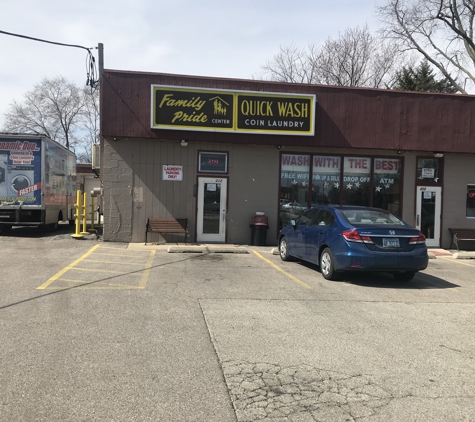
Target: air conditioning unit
(96, 156)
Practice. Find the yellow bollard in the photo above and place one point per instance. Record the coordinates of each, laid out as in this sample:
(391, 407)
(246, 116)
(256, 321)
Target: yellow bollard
(77, 235)
(84, 215)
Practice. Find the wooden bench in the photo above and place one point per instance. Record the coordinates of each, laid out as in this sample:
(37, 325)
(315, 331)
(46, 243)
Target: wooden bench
(462, 235)
(167, 225)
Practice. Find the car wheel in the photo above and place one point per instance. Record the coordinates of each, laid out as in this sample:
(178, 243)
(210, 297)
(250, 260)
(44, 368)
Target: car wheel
(327, 266)
(407, 276)
(283, 250)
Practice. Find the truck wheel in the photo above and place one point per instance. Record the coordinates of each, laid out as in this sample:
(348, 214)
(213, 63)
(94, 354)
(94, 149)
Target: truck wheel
(5, 228)
(54, 226)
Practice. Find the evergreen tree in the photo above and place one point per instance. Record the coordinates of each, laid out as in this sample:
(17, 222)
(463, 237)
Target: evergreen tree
(422, 79)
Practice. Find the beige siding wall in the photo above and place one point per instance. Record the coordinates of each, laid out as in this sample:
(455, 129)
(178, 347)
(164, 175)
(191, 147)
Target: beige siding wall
(458, 173)
(134, 189)
(253, 186)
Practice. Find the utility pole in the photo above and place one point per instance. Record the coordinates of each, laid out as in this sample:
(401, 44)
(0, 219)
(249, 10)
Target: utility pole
(100, 49)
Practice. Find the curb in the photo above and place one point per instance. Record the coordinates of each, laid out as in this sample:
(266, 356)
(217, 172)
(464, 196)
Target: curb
(464, 255)
(207, 249)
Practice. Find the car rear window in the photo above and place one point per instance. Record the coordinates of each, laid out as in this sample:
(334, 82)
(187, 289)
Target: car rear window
(372, 217)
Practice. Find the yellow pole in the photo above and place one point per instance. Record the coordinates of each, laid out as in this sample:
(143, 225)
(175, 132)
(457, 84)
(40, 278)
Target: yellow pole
(76, 234)
(84, 215)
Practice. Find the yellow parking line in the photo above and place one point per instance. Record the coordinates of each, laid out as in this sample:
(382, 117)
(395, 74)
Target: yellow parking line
(59, 274)
(148, 266)
(113, 262)
(96, 283)
(282, 271)
(104, 271)
(455, 261)
(120, 249)
(104, 287)
(126, 255)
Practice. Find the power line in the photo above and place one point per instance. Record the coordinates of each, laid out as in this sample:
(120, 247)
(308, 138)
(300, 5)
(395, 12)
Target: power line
(90, 60)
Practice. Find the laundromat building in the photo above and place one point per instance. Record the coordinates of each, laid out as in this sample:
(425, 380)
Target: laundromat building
(217, 151)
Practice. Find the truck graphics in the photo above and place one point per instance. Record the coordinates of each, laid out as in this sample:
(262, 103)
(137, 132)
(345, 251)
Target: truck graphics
(20, 172)
(36, 173)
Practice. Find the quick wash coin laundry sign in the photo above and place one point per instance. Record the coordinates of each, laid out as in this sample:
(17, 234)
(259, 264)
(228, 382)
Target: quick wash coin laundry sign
(232, 111)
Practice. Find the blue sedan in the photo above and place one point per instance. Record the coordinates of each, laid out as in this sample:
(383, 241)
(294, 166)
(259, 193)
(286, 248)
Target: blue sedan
(350, 238)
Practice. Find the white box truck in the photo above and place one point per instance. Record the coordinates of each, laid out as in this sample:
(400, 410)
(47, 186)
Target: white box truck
(37, 182)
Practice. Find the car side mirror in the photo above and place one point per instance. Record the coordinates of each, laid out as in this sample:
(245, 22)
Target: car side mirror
(292, 223)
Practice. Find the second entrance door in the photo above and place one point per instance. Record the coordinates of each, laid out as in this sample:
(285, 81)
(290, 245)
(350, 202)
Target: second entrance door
(428, 207)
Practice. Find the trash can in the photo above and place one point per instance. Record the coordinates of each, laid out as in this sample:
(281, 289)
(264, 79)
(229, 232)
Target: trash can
(259, 226)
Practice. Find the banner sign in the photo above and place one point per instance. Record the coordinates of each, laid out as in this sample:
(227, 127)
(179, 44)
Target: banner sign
(20, 171)
(387, 165)
(232, 111)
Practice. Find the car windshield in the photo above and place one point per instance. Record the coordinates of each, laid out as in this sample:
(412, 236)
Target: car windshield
(372, 217)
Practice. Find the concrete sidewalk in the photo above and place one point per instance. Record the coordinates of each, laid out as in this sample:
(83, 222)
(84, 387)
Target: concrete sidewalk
(244, 249)
(453, 253)
(203, 248)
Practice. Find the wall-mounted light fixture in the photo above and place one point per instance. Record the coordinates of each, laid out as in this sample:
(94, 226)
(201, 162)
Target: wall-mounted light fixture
(438, 154)
(184, 143)
(279, 147)
(400, 152)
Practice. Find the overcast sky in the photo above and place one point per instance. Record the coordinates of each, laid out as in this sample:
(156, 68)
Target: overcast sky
(226, 38)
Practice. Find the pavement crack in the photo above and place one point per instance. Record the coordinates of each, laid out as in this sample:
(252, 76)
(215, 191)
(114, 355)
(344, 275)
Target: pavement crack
(265, 391)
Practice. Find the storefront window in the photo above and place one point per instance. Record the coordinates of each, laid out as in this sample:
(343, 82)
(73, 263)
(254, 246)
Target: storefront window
(429, 170)
(366, 181)
(471, 201)
(387, 184)
(356, 181)
(294, 186)
(326, 180)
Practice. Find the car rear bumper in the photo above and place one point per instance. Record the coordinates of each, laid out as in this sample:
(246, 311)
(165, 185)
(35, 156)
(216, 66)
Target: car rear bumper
(358, 259)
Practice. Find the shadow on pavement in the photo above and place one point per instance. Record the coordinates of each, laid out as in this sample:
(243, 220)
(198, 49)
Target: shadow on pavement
(387, 281)
(383, 280)
(41, 231)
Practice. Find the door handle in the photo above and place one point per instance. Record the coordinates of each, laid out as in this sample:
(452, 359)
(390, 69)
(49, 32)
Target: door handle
(224, 215)
(417, 220)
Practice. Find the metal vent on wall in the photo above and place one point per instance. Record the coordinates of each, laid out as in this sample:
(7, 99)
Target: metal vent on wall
(96, 156)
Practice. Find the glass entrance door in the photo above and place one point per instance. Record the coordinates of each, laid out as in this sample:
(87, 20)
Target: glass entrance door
(428, 209)
(211, 223)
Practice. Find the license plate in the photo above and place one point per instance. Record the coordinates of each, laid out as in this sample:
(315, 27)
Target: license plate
(391, 243)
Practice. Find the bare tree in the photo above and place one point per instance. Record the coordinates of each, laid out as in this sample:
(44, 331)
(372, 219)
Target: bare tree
(356, 58)
(54, 107)
(292, 64)
(440, 30)
(89, 125)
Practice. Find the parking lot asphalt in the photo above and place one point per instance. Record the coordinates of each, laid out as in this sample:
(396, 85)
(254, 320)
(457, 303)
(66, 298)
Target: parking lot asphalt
(100, 331)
